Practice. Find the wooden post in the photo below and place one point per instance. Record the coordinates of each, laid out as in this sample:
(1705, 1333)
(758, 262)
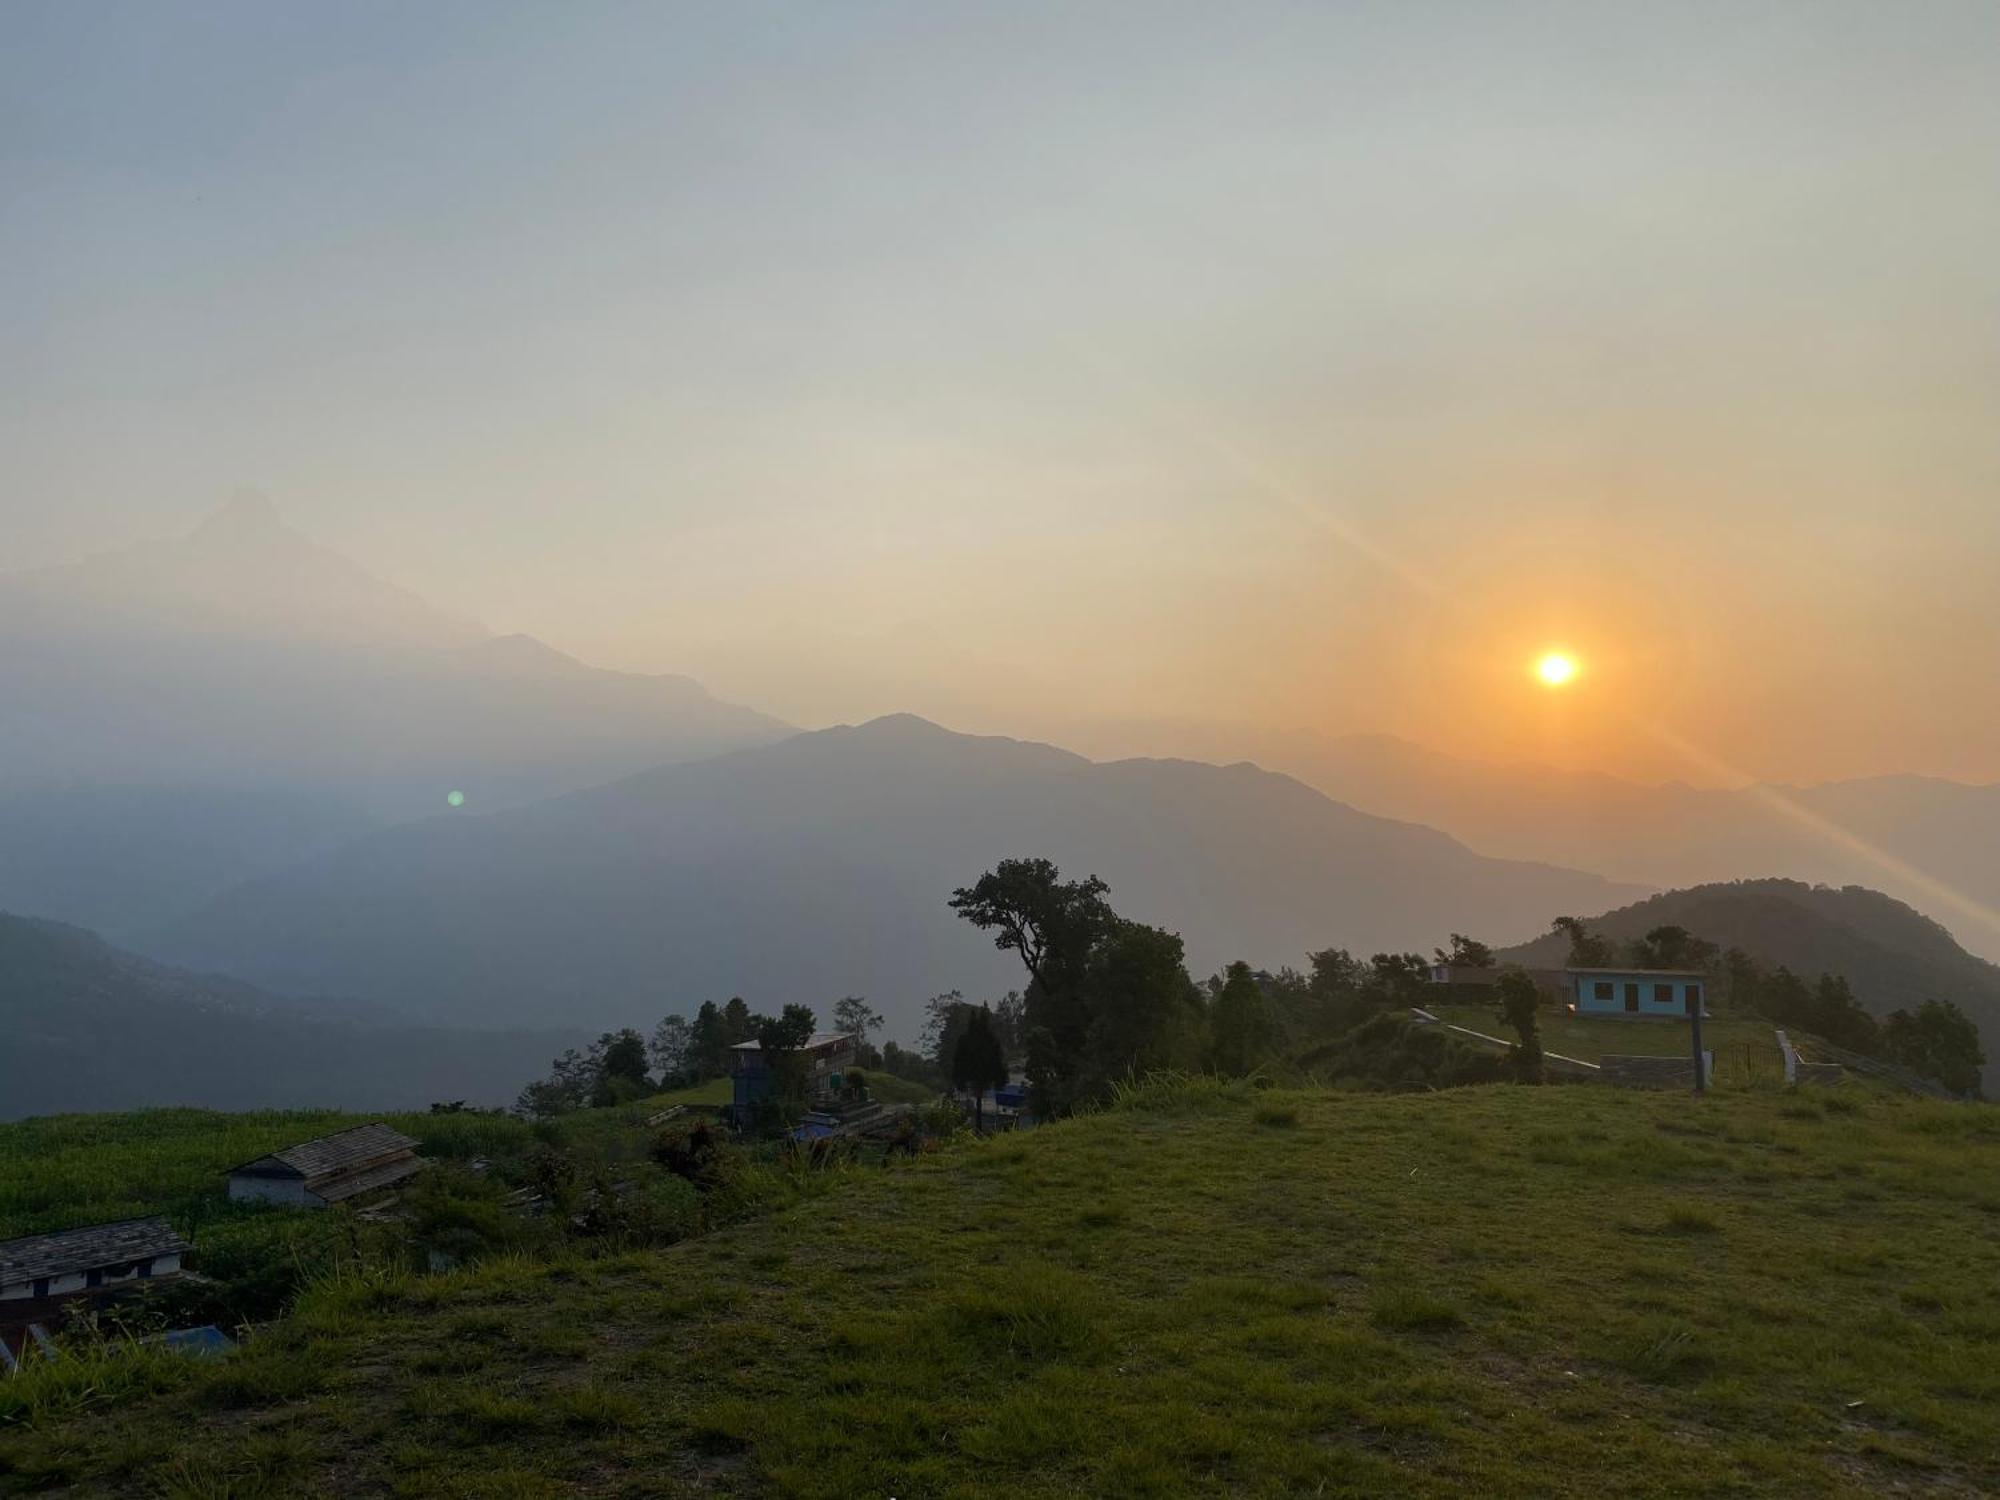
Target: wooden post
(1694, 1012)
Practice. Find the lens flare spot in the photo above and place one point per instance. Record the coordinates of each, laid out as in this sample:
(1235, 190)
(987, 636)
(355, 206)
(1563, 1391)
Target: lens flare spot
(1556, 668)
(455, 799)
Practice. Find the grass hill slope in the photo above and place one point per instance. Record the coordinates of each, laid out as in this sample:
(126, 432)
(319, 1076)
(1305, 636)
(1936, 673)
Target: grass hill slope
(90, 1027)
(1894, 956)
(820, 866)
(1500, 1291)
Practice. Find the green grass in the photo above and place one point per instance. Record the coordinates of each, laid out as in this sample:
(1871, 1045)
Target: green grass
(893, 1090)
(1746, 1050)
(1499, 1291)
(65, 1170)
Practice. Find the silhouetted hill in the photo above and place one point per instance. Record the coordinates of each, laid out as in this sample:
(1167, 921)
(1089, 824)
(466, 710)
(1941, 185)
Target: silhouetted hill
(89, 1027)
(179, 717)
(1937, 835)
(1895, 957)
(821, 865)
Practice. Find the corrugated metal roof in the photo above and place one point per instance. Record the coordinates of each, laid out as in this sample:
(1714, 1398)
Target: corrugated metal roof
(330, 1153)
(70, 1251)
(814, 1043)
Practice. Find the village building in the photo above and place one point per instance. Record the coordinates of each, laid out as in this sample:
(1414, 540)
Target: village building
(39, 1273)
(1638, 992)
(829, 1056)
(328, 1170)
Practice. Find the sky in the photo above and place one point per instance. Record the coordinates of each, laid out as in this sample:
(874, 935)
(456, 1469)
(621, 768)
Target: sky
(1133, 376)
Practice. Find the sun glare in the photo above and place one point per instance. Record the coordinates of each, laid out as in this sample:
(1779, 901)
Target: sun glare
(1556, 668)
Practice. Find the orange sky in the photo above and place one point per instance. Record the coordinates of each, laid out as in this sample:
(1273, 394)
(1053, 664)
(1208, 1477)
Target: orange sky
(1070, 373)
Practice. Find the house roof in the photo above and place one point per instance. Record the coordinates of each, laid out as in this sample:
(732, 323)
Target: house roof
(339, 1152)
(348, 1184)
(819, 1041)
(1644, 973)
(71, 1250)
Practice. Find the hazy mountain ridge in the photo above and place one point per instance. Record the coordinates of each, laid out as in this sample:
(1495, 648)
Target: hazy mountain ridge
(90, 1027)
(1895, 956)
(295, 701)
(1678, 835)
(820, 866)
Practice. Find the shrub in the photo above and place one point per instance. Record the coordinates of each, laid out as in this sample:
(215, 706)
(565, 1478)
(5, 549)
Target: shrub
(1392, 1052)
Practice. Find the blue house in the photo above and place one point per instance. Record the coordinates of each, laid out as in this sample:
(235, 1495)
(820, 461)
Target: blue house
(1636, 992)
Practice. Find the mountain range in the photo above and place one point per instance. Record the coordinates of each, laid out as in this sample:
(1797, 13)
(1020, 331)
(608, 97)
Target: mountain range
(821, 865)
(1925, 840)
(233, 750)
(91, 1027)
(183, 715)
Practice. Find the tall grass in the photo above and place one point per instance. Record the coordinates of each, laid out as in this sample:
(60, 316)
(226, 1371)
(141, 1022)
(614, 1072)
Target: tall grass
(87, 1374)
(1173, 1091)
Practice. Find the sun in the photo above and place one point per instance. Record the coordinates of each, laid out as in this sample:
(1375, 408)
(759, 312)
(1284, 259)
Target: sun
(1556, 668)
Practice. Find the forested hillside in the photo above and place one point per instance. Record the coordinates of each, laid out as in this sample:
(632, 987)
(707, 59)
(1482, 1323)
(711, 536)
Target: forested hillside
(1893, 956)
(89, 1027)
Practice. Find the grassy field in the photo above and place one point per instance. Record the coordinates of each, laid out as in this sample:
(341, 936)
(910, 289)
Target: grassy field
(65, 1170)
(1746, 1051)
(1213, 1290)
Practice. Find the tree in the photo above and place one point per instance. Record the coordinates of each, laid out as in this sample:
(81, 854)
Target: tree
(1840, 1017)
(1143, 1013)
(1052, 923)
(977, 1061)
(619, 1059)
(1239, 1020)
(1465, 953)
(1055, 925)
(671, 1048)
(902, 1062)
(572, 1078)
(1399, 978)
(1939, 1041)
(611, 1071)
(1672, 947)
(944, 1019)
(708, 1042)
(1010, 1022)
(1519, 1001)
(853, 1013)
(1587, 950)
(738, 1025)
(780, 1039)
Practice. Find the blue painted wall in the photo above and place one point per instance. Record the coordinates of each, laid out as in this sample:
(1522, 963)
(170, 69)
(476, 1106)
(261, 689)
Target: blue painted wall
(1590, 1003)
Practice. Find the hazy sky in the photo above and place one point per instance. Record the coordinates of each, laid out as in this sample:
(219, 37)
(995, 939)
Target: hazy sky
(1080, 370)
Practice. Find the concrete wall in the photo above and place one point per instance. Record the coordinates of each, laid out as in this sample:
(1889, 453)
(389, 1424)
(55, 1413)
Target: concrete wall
(1652, 1072)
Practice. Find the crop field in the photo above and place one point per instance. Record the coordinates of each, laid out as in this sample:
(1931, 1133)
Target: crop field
(64, 1170)
(1209, 1290)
